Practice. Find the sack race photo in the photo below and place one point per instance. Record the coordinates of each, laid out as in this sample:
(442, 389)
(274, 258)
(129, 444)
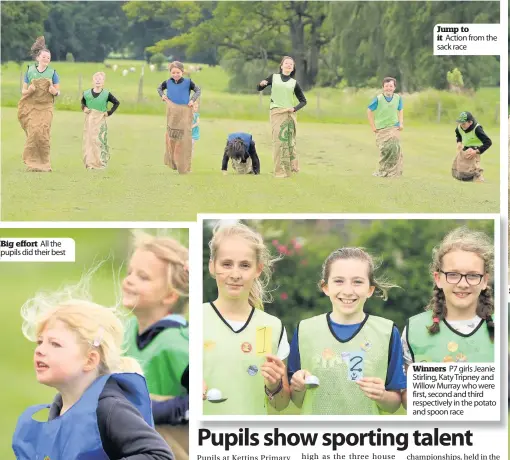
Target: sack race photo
(96, 152)
(391, 157)
(35, 114)
(178, 146)
(283, 127)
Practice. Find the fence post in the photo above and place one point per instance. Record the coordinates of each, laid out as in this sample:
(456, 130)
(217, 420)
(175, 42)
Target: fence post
(497, 114)
(439, 111)
(318, 105)
(260, 100)
(140, 89)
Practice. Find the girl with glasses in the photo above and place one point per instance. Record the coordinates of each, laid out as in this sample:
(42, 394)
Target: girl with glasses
(457, 325)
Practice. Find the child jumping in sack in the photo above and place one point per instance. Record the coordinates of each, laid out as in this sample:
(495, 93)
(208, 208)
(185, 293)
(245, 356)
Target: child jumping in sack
(471, 143)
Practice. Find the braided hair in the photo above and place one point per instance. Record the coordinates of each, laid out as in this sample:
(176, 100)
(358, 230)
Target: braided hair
(468, 240)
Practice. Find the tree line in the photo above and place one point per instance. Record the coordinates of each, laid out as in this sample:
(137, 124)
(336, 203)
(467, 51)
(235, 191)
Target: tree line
(333, 43)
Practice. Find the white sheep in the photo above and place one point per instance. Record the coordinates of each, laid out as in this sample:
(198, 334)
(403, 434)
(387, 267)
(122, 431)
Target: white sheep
(115, 67)
(125, 72)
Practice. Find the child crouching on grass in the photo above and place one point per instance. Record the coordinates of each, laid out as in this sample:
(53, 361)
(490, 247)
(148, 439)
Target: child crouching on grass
(240, 149)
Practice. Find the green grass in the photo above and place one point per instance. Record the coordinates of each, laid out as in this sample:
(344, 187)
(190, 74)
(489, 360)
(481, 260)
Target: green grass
(325, 105)
(336, 166)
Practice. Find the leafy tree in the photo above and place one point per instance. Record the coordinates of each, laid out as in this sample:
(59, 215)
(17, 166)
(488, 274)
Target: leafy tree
(252, 31)
(402, 248)
(22, 23)
(152, 22)
(455, 78)
(89, 31)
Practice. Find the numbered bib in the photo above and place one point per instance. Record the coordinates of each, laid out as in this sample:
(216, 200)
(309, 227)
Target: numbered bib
(263, 340)
(355, 365)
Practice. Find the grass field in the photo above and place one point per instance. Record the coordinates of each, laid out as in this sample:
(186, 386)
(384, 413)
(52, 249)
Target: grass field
(337, 155)
(347, 106)
(336, 166)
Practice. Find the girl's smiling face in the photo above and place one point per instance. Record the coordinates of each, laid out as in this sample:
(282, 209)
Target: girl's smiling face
(389, 88)
(287, 66)
(44, 58)
(348, 286)
(176, 73)
(462, 295)
(146, 284)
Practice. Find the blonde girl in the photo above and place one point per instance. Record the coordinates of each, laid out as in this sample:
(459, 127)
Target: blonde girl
(243, 346)
(356, 357)
(94, 103)
(79, 353)
(156, 290)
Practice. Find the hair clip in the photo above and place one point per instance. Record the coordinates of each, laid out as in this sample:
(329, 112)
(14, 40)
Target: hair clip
(436, 320)
(97, 341)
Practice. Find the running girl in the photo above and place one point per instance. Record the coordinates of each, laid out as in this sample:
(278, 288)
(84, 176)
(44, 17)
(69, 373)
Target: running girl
(156, 290)
(78, 353)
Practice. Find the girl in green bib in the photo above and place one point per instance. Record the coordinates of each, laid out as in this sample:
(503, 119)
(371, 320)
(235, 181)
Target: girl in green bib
(284, 90)
(95, 132)
(471, 143)
(35, 109)
(356, 357)
(386, 117)
(156, 290)
(457, 325)
(244, 347)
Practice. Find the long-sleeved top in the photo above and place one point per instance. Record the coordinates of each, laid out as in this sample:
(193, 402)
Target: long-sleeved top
(111, 98)
(297, 89)
(124, 433)
(480, 133)
(252, 153)
(192, 87)
(173, 411)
